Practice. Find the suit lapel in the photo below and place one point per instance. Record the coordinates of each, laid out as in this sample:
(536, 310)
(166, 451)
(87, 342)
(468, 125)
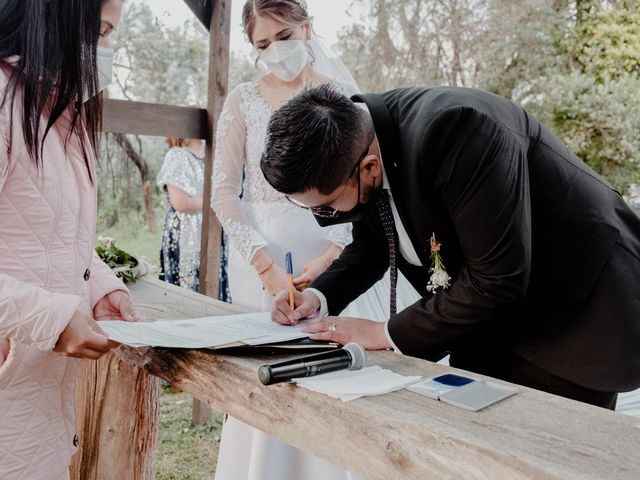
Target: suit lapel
(388, 138)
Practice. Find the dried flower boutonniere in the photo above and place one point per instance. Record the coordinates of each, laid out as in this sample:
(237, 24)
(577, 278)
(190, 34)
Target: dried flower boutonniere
(439, 277)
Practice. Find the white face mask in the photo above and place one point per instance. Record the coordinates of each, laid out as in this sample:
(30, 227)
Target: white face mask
(285, 58)
(105, 67)
(104, 60)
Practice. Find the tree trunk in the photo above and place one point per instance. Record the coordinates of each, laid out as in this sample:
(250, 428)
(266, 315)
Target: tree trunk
(141, 164)
(456, 40)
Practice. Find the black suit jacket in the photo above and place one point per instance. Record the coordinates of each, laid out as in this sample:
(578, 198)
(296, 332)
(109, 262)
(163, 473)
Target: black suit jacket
(544, 254)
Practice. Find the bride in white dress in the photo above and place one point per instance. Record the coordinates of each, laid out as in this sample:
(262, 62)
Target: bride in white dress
(262, 225)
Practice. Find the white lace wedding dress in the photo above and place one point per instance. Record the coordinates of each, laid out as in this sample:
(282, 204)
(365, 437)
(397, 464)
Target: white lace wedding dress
(263, 218)
(256, 216)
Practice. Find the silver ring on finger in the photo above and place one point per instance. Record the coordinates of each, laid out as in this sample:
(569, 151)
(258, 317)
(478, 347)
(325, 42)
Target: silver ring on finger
(333, 327)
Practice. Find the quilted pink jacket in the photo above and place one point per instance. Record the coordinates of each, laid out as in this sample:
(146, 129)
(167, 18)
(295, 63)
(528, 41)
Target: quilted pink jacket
(48, 270)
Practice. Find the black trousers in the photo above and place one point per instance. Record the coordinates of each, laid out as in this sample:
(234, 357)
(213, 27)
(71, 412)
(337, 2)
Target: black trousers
(512, 368)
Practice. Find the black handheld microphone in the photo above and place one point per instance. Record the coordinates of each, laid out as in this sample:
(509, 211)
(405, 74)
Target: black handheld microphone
(351, 357)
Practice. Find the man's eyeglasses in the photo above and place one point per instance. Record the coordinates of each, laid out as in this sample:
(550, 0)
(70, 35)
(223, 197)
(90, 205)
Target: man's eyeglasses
(325, 211)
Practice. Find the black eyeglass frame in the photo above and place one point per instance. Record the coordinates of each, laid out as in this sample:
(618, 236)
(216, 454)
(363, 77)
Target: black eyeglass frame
(324, 211)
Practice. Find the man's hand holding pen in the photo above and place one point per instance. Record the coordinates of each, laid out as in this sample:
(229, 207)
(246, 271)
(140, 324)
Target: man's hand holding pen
(371, 335)
(305, 304)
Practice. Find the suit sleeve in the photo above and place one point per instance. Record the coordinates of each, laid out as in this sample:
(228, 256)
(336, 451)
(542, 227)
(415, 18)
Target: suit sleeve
(361, 264)
(482, 179)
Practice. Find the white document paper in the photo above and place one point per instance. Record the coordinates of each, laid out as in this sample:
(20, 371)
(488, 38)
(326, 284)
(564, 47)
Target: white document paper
(205, 332)
(349, 385)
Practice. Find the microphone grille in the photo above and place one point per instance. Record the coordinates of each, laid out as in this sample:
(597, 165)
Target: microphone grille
(358, 355)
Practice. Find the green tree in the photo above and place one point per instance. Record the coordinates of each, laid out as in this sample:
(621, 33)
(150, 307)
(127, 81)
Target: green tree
(598, 121)
(594, 107)
(161, 64)
(516, 45)
(418, 42)
(156, 64)
(573, 63)
(473, 43)
(606, 40)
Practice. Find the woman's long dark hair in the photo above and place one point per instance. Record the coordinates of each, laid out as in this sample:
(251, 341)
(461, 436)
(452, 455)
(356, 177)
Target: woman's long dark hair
(56, 42)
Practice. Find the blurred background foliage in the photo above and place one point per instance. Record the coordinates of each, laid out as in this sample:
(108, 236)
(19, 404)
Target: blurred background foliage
(575, 64)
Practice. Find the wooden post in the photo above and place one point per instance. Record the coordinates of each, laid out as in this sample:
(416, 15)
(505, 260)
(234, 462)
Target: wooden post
(201, 413)
(211, 228)
(116, 421)
(218, 82)
(154, 119)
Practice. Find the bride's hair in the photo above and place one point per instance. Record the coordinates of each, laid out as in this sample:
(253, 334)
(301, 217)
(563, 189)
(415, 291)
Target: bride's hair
(291, 12)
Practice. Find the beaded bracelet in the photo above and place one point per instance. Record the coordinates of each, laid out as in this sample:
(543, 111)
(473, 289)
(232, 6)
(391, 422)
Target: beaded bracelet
(266, 269)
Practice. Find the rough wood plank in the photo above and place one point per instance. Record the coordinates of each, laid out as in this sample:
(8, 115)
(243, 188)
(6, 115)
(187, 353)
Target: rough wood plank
(399, 435)
(155, 299)
(218, 84)
(116, 420)
(153, 119)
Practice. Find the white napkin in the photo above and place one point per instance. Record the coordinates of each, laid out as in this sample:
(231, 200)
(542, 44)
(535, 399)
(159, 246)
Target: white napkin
(349, 385)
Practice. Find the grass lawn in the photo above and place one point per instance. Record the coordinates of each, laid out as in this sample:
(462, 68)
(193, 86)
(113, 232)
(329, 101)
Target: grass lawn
(185, 451)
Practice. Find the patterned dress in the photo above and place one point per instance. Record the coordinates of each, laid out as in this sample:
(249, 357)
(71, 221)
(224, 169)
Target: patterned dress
(180, 241)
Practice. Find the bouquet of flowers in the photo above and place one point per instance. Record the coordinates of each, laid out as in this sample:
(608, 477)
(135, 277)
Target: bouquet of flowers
(123, 264)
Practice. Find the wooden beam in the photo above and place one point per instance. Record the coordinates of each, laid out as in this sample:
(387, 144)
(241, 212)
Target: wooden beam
(218, 84)
(202, 10)
(139, 118)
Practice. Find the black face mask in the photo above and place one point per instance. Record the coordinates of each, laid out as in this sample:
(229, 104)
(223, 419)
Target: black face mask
(353, 215)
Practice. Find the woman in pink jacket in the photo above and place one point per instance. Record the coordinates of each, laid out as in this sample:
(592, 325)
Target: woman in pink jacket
(53, 287)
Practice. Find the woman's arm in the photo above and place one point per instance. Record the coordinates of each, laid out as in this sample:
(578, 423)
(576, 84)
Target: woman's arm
(317, 266)
(182, 202)
(32, 315)
(226, 184)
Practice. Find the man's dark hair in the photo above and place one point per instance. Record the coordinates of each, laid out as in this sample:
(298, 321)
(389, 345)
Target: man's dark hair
(314, 141)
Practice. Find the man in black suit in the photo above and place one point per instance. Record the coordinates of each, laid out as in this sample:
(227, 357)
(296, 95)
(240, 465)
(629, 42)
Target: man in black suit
(543, 255)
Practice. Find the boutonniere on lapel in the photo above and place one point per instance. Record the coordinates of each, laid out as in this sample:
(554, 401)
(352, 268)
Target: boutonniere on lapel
(439, 276)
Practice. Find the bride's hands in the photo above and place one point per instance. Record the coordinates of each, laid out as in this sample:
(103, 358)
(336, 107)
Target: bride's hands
(272, 276)
(274, 279)
(316, 267)
(311, 271)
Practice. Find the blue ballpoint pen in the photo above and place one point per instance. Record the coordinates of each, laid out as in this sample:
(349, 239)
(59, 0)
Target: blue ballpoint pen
(289, 264)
